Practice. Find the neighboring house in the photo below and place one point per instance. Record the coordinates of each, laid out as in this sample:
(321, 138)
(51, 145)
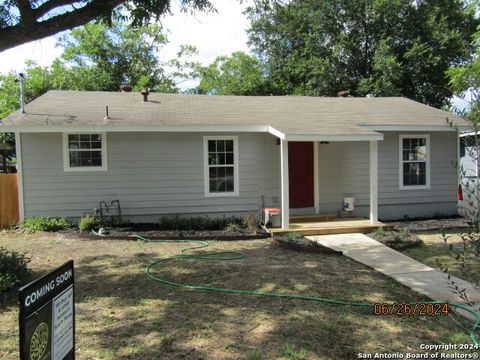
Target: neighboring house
(468, 155)
(216, 155)
(468, 196)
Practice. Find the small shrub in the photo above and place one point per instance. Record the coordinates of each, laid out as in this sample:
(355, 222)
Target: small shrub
(251, 223)
(13, 269)
(44, 223)
(398, 240)
(400, 236)
(199, 223)
(233, 228)
(379, 233)
(293, 236)
(87, 223)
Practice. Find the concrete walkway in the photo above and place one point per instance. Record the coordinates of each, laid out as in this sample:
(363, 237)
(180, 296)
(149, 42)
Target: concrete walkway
(417, 276)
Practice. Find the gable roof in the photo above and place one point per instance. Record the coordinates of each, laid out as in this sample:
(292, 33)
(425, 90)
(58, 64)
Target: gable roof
(290, 116)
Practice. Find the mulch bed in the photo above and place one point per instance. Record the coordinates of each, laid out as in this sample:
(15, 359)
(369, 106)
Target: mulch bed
(303, 245)
(412, 241)
(149, 232)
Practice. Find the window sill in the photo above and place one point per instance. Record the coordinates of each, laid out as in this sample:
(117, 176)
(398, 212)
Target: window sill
(415, 187)
(82, 169)
(225, 194)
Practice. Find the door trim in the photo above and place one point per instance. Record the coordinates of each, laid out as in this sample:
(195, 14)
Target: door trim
(316, 178)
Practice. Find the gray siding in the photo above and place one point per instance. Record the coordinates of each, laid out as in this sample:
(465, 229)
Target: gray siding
(162, 173)
(344, 171)
(150, 173)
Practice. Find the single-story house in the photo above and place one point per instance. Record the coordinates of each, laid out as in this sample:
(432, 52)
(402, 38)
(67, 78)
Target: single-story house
(197, 154)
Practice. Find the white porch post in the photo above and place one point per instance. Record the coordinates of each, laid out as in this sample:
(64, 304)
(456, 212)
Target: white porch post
(373, 182)
(285, 189)
(316, 174)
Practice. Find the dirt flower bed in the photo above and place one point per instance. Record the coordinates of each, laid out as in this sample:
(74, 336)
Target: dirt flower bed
(173, 227)
(397, 240)
(297, 242)
(149, 232)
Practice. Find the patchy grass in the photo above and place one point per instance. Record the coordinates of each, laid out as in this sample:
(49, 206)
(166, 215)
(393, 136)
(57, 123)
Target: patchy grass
(434, 249)
(121, 314)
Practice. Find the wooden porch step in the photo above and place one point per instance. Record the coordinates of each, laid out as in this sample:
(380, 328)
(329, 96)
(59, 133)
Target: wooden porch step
(340, 230)
(311, 218)
(333, 227)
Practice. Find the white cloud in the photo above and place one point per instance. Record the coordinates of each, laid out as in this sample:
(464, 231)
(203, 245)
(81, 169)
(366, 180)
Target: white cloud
(213, 34)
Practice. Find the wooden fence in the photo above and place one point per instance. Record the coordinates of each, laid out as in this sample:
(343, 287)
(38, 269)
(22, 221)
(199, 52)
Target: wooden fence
(8, 200)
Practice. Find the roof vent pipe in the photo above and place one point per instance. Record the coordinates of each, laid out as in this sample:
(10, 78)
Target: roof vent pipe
(21, 80)
(145, 95)
(107, 117)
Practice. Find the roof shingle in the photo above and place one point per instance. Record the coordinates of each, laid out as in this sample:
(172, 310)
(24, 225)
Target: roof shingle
(294, 115)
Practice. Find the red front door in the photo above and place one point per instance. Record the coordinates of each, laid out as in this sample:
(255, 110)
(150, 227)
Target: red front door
(300, 168)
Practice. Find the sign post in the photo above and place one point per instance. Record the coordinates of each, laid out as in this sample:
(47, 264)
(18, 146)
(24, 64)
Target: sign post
(47, 316)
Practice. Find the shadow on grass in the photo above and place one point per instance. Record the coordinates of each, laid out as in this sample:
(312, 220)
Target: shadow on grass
(129, 316)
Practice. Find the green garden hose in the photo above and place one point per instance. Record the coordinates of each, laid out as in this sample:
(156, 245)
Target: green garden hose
(235, 255)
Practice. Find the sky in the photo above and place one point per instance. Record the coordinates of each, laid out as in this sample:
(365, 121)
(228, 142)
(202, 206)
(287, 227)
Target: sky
(213, 34)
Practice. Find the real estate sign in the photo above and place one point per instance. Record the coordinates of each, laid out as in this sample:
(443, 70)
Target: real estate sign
(47, 316)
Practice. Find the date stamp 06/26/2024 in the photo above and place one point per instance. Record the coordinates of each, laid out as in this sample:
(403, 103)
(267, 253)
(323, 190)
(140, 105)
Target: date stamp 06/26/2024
(411, 309)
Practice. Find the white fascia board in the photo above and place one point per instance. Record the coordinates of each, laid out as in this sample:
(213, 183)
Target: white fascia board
(420, 128)
(137, 128)
(470, 133)
(346, 137)
(276, 133)
(319, 137)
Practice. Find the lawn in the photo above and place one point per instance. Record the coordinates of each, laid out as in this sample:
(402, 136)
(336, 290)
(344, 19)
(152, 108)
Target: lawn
(435, 249)
(121, 314)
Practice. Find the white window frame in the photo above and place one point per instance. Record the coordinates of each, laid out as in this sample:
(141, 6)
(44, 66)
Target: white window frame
(401, 161)
(206, 167)
(66, 153)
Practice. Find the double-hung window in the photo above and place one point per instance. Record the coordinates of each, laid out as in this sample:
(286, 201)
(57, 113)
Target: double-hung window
(414, 162)
(221, 165)
(85, 152)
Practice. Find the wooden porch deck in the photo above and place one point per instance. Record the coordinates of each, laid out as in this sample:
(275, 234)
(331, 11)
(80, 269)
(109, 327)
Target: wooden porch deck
(313, 225)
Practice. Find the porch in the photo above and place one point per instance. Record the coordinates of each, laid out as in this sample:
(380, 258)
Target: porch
(302, 192)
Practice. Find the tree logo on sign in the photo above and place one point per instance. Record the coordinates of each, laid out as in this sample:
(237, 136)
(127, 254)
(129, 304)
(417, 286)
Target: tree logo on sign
(39, 341)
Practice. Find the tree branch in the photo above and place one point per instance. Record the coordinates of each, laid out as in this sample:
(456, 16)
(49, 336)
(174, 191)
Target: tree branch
(49, 6)
(24, 32)
(26, 11)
